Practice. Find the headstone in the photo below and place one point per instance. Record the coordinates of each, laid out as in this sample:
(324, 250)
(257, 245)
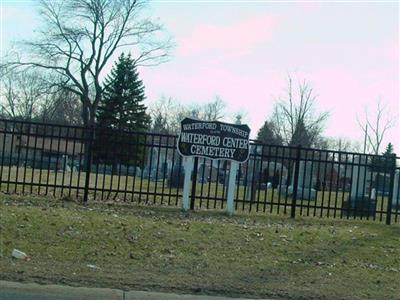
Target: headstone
(251, 176)
(305, 188)
(201, 174)
(176, 179)
(358, 178)
(277, 174)
(134, 171)
(396, 191)
(373, 193)
(65, 163)
(359, 203)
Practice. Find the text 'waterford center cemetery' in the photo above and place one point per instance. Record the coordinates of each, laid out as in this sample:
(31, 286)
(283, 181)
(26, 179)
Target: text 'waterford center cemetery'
(215, 140)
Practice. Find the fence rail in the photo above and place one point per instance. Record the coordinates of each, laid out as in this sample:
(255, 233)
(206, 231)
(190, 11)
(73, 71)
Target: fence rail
(71, 161)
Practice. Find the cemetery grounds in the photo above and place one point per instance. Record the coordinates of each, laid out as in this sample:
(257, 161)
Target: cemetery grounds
(158, 192)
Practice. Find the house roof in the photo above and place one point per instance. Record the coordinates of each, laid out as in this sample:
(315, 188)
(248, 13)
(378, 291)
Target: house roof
(53, 145)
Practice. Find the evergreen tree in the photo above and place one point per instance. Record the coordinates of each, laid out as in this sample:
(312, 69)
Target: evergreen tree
(122, 107)
(385, 163)
(302, 135)
(267, 134)
(160, 124)
(383, 166)
(389, 149)
(121, 110)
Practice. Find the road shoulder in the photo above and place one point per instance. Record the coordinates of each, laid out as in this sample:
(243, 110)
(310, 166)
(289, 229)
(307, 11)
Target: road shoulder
(33, 291)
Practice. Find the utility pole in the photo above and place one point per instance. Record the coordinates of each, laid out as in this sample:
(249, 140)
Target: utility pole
(365, 138)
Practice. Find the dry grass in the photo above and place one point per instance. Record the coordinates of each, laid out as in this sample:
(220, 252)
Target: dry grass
(163, 249)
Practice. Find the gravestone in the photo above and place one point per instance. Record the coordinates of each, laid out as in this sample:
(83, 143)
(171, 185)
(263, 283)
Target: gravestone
(305, 188)
(272, 174)
(251, 176)
(396, 191)
(177, 175)
(359, 203)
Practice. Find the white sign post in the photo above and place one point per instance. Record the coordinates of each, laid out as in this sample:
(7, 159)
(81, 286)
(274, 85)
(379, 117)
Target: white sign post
(188, 167)
(231, 187)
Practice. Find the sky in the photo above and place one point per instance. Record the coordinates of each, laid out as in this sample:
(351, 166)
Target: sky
(244, 51)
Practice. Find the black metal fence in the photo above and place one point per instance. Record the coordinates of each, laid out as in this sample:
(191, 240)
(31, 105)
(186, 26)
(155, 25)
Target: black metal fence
(71, 161)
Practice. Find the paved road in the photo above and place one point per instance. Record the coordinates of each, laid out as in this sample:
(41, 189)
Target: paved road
(33, 291)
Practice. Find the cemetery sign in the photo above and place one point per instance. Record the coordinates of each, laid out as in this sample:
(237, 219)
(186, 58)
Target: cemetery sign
(214, 139)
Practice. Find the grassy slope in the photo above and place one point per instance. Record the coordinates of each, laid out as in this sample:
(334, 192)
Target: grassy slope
(201, 252)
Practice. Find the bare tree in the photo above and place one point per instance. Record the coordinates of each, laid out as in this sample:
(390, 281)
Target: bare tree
(343, 144)
(375, 126)
(81, 37)
(61, 107)
(295, 118)
(32, 96)
(167, 113)
(214, 110)
(22, 95)
(164, 114)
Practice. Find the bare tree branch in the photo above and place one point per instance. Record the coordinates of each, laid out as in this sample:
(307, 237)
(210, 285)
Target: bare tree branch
(167, 113)
(22, 94)
(375, 127)
(295, 119)
(81, 37)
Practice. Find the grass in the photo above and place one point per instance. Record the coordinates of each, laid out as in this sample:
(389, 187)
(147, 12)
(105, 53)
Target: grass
(137, 189)
(205, 252)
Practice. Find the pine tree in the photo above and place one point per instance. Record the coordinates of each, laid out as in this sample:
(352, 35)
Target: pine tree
(121, 110)
(385, 163)
(160, 124)
(389, 150)
(267, 134)
(122, 107)
(389, 158)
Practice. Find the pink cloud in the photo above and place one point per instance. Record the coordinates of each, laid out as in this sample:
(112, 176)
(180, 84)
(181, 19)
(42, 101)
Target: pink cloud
(242, 36)
(341, 92)
(347, 94)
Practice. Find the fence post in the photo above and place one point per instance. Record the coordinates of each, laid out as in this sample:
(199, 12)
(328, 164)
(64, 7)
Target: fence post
(88, 160)
(392, 164)
(188, 165)
(295, 182)
(231, 188)
(194, 182)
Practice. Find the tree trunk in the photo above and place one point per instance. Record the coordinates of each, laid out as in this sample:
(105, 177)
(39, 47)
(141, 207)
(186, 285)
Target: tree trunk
(89, 137)
(85, 113)
(89, 127)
